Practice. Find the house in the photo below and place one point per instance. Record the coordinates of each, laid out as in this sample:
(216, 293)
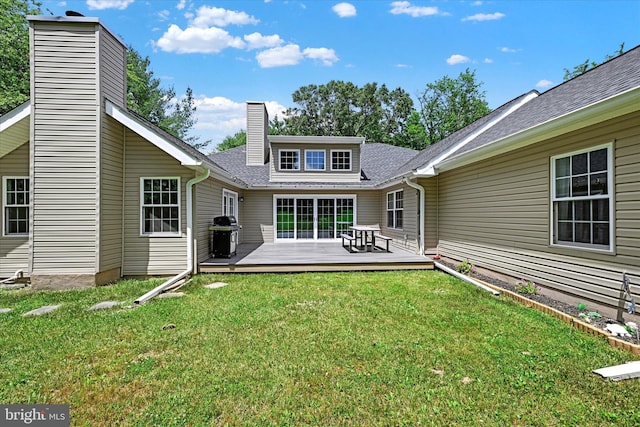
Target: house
(545, 187)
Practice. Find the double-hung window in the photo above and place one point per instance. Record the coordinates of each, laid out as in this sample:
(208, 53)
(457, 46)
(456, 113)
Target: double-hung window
(581, 198)
(340, 160)
(289, 160)
(160, 207)
(16, 206)
(395, 209)
(314, 160)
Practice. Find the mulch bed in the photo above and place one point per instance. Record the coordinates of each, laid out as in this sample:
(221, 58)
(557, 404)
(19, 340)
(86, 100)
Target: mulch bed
(540, 298)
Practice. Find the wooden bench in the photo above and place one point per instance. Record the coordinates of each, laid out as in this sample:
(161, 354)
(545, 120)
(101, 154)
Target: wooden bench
(349, 238)
(381, 237)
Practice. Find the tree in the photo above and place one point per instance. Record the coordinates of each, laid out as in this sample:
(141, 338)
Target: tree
(343, 109)
(588, 64)
(14, 48)
(451, 104)
(229, 142)
(160, 106)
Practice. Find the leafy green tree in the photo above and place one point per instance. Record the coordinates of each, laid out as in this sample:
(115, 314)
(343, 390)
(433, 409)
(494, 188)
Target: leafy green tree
(14, 51)
(343, 109)
(451, 104)
(417, 136)
(229, 142)
(588, 64)
(148, 98)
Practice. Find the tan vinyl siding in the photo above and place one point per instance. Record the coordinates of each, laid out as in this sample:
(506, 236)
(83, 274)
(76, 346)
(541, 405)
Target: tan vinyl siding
(14, 137)
(407, 237)
(111, 198)
(151, 255)
(302, 175)
(257, 127)
(431, 213)
(209, 205)
(496, 213)
(113, 69)
(14, 251)
(64, 154)
(257, 211)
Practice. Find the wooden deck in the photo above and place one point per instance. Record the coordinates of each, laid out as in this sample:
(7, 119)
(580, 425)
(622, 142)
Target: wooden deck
(289, 257)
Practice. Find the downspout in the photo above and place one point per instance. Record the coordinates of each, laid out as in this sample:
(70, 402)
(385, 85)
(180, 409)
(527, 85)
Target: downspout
(17, 275)
(420, 189)
(190, 259)
(467, 279)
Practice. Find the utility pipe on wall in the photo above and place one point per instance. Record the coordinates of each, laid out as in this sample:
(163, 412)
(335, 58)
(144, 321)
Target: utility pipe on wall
(421, 207)
(190, 258)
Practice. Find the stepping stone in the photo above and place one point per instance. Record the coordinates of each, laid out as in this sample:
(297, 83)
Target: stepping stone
(42, 310)
(216, 285)
(171, 295)
(104, 305)
(4, 310)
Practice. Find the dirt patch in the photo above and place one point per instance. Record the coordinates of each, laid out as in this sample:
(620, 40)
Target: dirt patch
(564, 303)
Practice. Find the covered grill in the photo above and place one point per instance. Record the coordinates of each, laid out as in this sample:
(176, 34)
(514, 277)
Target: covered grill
(223, 236)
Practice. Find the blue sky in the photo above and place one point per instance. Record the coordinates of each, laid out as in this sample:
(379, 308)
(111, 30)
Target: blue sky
(230, 52)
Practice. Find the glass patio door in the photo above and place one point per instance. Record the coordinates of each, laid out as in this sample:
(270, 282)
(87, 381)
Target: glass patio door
(312, 218)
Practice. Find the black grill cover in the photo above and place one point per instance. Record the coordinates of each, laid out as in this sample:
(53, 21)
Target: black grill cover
(225, 221)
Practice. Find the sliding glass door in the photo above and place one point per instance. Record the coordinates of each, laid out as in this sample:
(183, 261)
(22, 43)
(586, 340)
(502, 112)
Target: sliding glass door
(312, 217)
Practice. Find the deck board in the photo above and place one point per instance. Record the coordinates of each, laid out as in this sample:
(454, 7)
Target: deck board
(313, 256)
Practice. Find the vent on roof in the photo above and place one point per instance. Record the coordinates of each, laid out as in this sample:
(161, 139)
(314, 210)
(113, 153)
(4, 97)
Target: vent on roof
(73, 13)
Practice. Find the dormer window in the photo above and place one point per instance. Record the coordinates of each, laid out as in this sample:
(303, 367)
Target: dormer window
(289, 160)
(314, 160)
(340, 160)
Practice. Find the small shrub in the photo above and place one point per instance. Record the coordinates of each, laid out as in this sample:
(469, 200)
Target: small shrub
(528, 288)
(465, 267)
(582, 306)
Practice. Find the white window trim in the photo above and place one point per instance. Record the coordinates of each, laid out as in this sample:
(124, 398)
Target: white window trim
(280, 159)
(324, 155)
(141, 195)
(4, 205)
(226, 194)
(350, 160)
(609, 196)
(386, 202)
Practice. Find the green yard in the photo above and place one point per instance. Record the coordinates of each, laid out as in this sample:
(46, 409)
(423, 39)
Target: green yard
(391, 348)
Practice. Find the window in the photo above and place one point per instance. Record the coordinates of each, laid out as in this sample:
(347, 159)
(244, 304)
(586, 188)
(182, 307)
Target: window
(340, 160)
(160, 205)
(290, 160)
(314, 160)
(581, 198)
(229, 203)
(394, 209)
(16, 206)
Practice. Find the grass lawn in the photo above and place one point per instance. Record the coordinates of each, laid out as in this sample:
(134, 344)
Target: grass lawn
(385, 348)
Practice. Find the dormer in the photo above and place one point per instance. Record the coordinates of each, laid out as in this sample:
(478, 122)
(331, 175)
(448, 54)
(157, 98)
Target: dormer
(314, 158)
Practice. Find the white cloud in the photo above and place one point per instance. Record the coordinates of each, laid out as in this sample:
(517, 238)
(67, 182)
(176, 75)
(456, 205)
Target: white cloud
(259, 41)
(219, 117)
(508, 50)
(163, 15)
(108, 4)
(476, 3)
(488, 61)
(544, 83)
(207, 16)
(280, 56)
(402, 66)
(406, 8)
(344, 10)
(181, 4)
(327, 56)
(197, 40)
(457, 59)
(484, 17)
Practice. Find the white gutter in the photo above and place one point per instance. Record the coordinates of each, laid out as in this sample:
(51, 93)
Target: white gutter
(616, 106)
(190, 258)
(421, 207)
(465, 278)
(429, 169)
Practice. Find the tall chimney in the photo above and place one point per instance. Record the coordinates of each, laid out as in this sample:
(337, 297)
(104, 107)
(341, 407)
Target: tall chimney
(257, 130)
